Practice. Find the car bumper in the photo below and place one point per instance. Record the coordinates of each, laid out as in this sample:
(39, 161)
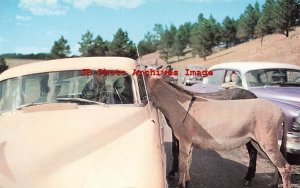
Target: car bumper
(293, 143)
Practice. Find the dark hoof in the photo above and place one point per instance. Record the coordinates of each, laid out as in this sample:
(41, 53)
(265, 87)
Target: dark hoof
(248, 183)
(181, 186)
(187, 184)
(171, 174)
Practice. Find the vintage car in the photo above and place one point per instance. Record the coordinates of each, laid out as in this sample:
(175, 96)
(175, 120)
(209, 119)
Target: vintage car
(53, 135)
(277, 82)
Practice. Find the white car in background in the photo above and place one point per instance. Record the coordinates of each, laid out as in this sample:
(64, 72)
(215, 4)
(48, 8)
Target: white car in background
(277, 82)
(52, 137)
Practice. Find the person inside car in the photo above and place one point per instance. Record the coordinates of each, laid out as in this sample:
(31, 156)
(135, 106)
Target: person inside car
(278, 77)
(234, 82)
(109, 89)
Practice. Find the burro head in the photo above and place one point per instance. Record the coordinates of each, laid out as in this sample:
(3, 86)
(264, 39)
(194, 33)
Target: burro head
(151, 80)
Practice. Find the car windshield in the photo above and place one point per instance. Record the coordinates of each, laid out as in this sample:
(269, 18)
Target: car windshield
(276, 77)
(64, 86)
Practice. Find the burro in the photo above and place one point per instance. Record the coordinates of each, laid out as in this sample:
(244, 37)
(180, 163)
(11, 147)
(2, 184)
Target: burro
(211, 124)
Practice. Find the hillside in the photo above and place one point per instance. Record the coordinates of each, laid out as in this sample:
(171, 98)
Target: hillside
(12, 62)
(275, 48)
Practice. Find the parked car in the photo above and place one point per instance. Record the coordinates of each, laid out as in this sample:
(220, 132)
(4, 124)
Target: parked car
(51, 136)
(188, 79)
(277, 82)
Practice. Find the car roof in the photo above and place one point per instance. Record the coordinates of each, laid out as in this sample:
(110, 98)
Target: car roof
(247, 66)
(79, 63)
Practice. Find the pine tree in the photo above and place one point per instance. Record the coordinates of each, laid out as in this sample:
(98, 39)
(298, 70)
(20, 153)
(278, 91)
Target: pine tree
(216, 29)
(266, 23)
(252, 16)
(248, 22)
(268, 16)
(148, 44)
(229, 31)
(100, 47)
(92, 47)
(122, 46)
(86, 46)
(241, 33)
(181, 39)
(3, 65)
(287, 15)
(204, 37)
(60, 49)
(166, 42)
(158, 30)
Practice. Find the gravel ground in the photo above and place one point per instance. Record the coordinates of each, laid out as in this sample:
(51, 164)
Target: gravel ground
(214, 169)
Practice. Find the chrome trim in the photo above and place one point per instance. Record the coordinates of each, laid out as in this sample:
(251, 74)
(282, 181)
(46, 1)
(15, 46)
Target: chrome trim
(294, 136)
(296, 126)
(293, 143)
(296, 123)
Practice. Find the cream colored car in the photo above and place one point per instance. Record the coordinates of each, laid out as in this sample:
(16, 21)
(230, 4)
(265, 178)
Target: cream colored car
(54, 136)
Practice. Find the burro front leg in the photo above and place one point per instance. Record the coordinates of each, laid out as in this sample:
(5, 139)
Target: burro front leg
(188, 177)
(184, 152)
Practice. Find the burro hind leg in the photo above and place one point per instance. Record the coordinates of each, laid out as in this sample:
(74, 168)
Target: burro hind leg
(252, 163)
(184, 152)
(280, 163)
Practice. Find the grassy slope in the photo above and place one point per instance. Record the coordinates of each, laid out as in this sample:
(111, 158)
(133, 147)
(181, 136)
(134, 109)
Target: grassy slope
(275, 48)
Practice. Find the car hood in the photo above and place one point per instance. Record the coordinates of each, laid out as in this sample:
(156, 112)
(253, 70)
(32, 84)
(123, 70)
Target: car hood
(88, 146)
(287, 95)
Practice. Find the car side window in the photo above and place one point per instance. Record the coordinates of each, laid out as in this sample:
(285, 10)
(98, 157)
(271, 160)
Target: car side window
(293, 76)
(9, 94)
(229, 77)
(217, 78)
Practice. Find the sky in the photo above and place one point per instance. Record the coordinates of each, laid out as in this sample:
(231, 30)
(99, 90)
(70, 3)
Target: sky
(32, 26)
